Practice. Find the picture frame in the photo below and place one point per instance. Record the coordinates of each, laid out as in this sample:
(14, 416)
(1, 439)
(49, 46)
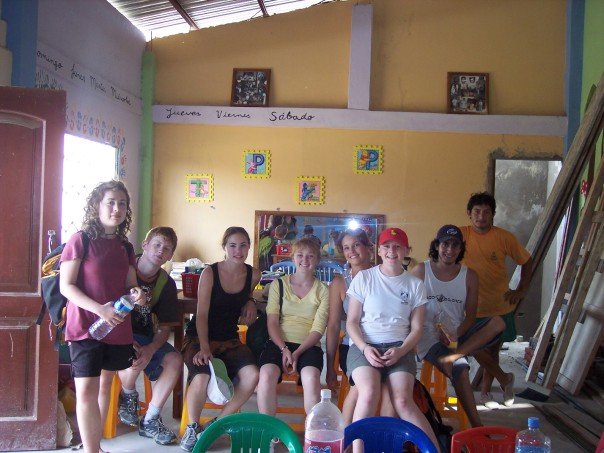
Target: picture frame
(310, 190)
(368, 159)
(199, 188)
(256, 163)
(251, 87)
(468, 92)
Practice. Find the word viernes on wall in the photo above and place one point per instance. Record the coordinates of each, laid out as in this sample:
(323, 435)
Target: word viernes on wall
(358, 119)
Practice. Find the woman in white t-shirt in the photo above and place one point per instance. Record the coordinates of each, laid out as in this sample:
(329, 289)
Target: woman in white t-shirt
(385, 322)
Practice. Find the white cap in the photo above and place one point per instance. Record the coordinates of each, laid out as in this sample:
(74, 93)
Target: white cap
(325, 394)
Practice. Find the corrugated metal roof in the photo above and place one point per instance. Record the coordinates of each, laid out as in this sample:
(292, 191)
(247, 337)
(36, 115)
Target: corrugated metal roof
(158, 18)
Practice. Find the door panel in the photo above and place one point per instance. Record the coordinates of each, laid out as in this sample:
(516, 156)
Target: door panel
(32, 124)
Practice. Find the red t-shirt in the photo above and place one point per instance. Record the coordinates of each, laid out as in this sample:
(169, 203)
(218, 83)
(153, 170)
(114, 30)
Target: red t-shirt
(102, 277)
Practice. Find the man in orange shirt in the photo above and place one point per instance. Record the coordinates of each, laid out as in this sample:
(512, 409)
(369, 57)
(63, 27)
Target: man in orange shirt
(487, 247)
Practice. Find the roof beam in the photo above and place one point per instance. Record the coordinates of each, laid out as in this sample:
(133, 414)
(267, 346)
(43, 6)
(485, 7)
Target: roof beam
(263, 8)
(178, 7)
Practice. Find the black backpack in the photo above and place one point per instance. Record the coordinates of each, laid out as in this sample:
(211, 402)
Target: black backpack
(257, 333)
(423, 400)
(52, 299)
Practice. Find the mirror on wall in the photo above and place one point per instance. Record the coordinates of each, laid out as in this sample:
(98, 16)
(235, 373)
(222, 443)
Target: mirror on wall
(275, 231)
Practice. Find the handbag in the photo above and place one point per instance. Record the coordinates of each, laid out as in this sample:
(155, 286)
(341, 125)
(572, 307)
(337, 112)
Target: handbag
(257, 333)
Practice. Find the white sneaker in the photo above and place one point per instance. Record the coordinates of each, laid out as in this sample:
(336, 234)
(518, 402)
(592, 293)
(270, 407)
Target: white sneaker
(508, 393)
(488, 401)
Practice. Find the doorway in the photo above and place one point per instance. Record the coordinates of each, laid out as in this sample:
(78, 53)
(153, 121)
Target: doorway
(521, 188)
(85, 165)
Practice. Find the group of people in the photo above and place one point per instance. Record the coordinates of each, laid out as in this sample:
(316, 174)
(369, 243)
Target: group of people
(442, 310)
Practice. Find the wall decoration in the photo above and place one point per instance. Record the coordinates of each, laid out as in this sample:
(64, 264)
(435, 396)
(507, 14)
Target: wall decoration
(368, 159)
(251, 87)
(310, 190)
(256, 163)
(468, 92)
(199, 187)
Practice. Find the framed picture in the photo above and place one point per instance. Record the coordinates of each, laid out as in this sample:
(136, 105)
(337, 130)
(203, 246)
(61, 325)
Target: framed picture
(251, 87)
(199, 188)
(310, 190)
(368, 159)
(468, 92)
(256, 163)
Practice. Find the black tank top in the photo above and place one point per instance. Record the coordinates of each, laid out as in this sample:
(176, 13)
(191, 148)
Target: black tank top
(225, 309)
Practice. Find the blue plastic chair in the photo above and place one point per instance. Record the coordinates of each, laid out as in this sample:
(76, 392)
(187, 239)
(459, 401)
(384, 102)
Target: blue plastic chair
(287, 267)
(250, 432)
(327, 270)
(387, 435)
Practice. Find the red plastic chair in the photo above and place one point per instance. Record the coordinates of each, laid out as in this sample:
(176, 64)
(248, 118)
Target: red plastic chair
(485, 439)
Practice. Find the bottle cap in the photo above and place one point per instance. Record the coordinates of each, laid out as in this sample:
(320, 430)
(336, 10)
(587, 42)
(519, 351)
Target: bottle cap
(533, 422)
(325, 394)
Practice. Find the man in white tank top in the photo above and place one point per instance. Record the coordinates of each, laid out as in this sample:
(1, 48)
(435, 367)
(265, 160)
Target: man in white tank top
(450, 330)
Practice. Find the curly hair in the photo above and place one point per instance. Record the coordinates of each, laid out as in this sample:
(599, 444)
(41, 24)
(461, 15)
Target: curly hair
(480, 198)
(433, 251)
(92, 223)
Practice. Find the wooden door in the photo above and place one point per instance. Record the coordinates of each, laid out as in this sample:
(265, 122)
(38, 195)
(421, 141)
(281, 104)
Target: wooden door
(32, 124)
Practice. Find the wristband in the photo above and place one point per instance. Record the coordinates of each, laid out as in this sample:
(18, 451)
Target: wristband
(253, 300)
(283, 348)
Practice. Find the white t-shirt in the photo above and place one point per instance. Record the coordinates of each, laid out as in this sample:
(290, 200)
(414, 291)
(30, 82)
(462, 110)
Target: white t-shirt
(446, 297)
(387, 304)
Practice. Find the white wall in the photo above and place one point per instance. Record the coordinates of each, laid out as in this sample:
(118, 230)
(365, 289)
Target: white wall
(93, 53)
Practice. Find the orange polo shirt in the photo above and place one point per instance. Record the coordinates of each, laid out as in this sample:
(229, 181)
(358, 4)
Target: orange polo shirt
(485, 254)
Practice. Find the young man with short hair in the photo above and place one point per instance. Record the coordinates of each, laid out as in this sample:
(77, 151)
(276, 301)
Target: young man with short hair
(487, 247)
(450, 329)
(154, 355)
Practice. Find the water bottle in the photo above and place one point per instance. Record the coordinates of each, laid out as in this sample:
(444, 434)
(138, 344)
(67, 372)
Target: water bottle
(324, 427)
(100, 329)
(532, 440)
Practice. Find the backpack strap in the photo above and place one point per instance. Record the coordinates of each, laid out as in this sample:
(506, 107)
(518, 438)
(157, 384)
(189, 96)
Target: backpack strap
(280, 296)
(161, 281)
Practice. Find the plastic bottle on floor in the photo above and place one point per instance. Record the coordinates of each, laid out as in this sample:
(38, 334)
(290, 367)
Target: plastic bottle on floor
(100, 329)
(532, 440)
(324, 429)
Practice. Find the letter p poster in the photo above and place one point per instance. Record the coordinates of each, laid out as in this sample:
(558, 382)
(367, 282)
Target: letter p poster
(368, 159)
(256, 163)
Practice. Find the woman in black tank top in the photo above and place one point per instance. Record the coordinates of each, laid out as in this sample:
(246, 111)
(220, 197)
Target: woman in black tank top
(224, 296)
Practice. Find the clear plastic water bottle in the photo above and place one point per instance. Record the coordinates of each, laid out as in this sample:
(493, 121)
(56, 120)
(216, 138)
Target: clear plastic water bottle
(324, 427)
(100, 329)
(532, 440)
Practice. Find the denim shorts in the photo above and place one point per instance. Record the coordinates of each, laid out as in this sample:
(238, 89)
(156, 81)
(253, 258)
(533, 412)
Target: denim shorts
(154, 368)
(439, 350)
(357, 359)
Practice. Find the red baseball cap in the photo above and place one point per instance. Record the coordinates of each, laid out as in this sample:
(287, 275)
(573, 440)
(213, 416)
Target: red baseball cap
(394, 234)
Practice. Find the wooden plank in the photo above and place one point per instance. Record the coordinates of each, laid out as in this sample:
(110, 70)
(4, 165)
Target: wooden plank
(587, 272)
(570, 427)
(567, 275)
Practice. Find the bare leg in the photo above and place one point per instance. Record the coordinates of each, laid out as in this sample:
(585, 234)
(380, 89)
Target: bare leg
(267, 389)
(196, 396)
(172, 367)
(104, 392)
(489, 359)
(367, 380)
(88, 413)
(401, 389)
(247, 378)
(463, 390)
(311, 383)
(349, 403)
(386, 407)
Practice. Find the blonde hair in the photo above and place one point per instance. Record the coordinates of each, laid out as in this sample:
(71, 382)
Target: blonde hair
(306, 243)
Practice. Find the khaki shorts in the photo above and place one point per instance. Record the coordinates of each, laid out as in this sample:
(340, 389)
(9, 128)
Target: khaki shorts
(357, 359)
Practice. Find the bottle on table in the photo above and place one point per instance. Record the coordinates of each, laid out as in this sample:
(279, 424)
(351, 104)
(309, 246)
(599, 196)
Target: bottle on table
(100, 329)
(324, 430)
(532, 440)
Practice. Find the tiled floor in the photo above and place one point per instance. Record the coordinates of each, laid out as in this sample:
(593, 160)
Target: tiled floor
(516, 416)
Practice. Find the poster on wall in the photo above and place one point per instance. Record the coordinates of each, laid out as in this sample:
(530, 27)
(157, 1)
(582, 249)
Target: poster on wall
(199, 187)
(256, 163)
(368, 159)
(310, 190)
(250, 88)
(468, 92)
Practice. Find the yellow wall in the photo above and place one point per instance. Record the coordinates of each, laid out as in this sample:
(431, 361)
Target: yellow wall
(428, 176)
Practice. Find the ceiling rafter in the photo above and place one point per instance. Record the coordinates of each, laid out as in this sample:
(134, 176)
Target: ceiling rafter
(263, 8)
(178, 7)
